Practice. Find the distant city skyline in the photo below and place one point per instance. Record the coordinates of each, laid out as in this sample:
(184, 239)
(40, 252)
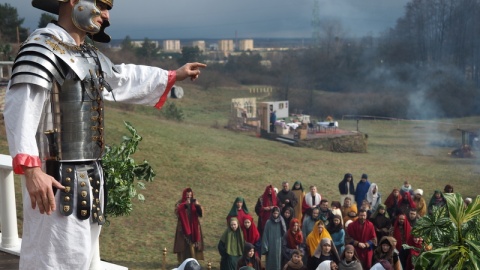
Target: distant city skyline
(219, 19)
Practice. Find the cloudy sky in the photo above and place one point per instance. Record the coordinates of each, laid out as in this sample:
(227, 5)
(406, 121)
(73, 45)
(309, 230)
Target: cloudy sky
(182, 19)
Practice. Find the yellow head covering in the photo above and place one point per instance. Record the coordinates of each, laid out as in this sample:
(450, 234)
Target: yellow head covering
(315, 237)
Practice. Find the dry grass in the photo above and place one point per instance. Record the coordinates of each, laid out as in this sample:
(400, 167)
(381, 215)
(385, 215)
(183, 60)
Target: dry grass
(220, 165)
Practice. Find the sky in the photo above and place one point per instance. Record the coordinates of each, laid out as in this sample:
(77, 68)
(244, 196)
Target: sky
(222, 19)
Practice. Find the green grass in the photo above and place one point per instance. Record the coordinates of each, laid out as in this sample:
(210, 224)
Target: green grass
(220, 165)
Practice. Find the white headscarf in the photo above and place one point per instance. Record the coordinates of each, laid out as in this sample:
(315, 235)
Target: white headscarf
(325, 265)
(372, 198)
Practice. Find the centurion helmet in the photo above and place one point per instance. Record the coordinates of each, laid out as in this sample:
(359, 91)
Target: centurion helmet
(84, 11)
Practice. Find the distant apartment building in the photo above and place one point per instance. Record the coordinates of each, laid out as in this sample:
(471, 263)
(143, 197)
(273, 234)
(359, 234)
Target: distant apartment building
(172, 46)
(245, 45)
(200, 44)
(226, 45)
(139, 43)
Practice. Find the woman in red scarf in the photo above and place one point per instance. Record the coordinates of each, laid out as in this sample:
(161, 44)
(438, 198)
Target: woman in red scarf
(250, 232)
(188, 235)
(407, 203)
(264, 206)
(292, 240)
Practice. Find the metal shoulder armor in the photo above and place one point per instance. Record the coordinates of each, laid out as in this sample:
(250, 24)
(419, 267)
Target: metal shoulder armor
(43, 59)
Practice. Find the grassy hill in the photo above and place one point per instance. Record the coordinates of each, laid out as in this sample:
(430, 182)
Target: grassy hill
(220, 165)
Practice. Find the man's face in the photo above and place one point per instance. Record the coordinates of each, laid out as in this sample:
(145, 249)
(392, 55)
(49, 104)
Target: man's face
(363, 180)
(270, 190)
(401, 219)
(412, 215)
(324, 206)
(239, 204)
(315, 213)
(285, 186)
(347, 202)
(296, 258)
(247, 223)
(418, 196)
(362, 216)
(313, 190)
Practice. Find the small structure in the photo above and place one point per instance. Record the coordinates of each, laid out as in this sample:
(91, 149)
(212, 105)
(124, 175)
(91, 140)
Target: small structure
(470, 142)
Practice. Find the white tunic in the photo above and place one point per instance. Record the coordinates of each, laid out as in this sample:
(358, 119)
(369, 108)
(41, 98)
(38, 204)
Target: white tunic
(55, 241)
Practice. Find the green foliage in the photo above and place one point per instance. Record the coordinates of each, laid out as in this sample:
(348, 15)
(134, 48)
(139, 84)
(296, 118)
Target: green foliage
(45, 19)
(189, 55)
(120, 172)
(172, 112)
(9, 22)
(454, 239)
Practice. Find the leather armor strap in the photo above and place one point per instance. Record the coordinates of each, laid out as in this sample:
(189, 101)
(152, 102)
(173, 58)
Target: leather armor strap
(83, 194)
(95, 182)
(67, 175)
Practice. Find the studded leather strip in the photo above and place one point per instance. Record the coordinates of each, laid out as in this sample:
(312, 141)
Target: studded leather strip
(66, 195)
(83, 194)
(95, 180)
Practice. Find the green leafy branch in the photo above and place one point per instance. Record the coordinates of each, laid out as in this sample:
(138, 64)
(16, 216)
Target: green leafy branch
(121, 171)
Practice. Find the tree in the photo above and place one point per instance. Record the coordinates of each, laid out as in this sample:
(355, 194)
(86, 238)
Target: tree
(9, 23)
(45, 19)
(148, 50)
(127, 44)
(453, 238)
(189, 55)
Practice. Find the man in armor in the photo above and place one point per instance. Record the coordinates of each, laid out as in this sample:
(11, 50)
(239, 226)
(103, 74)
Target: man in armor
(55, 129)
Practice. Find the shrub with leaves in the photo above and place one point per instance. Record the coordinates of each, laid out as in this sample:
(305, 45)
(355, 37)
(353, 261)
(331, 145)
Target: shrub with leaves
(454, 238)
(123, 176)
(172, 112)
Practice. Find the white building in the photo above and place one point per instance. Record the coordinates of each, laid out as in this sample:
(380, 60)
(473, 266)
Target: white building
(200, 44)
(226, 45)
(245, 45)
(172, 46)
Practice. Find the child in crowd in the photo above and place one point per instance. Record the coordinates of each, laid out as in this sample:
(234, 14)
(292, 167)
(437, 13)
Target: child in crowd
(296, 262)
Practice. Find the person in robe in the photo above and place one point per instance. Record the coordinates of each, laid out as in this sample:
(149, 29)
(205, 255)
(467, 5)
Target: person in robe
(437, 200)
(287, 214)
(327, 265)
(300, 194)
(326, 214)
(286, 198)
(349, 210)
(336, 208)
(448, 189)
(325, 251)
(309, 223)
(373, 197)
(250, 233)
(292, 241)
(416, 243)
(295, 262)
(264, 206)
(401, 232)
(392, 203)
(386, 251)
(381, 221)
(364, 238)
(272, 237)
(346, 187)
(189, 264)
(311, 201)
(337, 232)
(188, 234)
(313, 239)
(407, 203)
(231, 245)
(249, 258)
(239, 210)
(349, 259)
(420, 202)
(362, 188)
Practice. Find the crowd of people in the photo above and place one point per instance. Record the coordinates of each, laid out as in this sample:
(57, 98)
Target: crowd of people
(301, 229)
